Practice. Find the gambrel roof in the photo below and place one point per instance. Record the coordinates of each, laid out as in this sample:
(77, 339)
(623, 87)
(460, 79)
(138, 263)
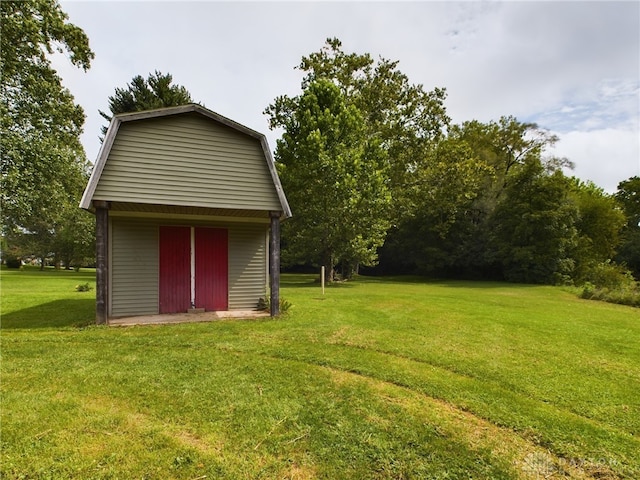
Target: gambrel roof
(187, 157)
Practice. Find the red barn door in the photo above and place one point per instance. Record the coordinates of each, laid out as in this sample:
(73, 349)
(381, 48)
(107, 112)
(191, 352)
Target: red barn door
(211, 265)
(175, 269)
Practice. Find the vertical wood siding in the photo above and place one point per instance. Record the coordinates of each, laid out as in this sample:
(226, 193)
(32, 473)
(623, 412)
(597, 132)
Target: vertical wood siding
(134, 268)
(187, 160)
(175, 269)
(211, 266)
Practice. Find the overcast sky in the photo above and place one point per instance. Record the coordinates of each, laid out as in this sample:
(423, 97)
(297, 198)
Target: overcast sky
(572, 67)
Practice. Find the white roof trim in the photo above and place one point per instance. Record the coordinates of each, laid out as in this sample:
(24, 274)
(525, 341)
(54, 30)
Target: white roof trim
(112, 131)
(286, 211)
(98, 167)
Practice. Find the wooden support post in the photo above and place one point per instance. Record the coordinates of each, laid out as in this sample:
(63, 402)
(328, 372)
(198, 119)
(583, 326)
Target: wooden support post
(274, 263)
(102, 261)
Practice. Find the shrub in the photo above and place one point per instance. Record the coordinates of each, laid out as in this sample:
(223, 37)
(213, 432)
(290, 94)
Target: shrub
(285, 305)
(609, 275)
(611, 283)
(265, 304)
(588, 290)
(83, 287)
(13, 262)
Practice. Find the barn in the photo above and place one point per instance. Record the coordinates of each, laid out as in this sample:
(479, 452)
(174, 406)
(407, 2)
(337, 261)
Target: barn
(188, 207)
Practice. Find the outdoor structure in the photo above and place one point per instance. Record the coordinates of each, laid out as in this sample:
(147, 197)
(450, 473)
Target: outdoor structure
(188, 207)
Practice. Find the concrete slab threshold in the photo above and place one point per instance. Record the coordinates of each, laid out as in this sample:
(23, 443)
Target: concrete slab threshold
(171, 318)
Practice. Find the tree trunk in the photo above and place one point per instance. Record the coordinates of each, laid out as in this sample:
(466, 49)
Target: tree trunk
(329, 270)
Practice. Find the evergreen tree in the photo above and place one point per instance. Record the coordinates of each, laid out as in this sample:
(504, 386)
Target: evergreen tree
(154, 92)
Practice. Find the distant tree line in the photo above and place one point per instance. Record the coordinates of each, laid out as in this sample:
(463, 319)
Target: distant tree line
(378, 177)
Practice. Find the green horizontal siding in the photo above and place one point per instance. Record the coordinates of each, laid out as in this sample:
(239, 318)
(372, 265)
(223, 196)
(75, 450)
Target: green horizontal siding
(187, 160)
(247, 266)
(134, 268)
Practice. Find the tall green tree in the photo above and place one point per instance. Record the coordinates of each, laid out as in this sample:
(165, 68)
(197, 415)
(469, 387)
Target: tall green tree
(154, 92)
(534, 227)
(505, 147)
(599, 223)
(335, 177)
(628, 195)
(403, 116)
(43, 161)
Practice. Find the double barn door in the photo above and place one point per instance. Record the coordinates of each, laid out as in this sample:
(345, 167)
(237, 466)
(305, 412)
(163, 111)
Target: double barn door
(193, 268)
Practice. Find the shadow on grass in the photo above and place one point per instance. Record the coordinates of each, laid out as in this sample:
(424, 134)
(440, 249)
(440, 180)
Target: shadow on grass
(446, 282)
(306, 280)
(59, 313)
(33, 271)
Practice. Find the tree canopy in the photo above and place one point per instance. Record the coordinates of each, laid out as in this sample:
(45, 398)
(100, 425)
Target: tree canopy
(403, 116)
(628, 195)
(43, 165)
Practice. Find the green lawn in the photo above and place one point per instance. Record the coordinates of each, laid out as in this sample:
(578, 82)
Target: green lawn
(380, 378)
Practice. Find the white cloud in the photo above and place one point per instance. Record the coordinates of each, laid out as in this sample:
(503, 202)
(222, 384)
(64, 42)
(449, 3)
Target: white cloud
(606, 104)
(606, 157)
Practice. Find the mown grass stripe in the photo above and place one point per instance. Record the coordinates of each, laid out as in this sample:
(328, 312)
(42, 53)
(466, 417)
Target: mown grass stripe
(569, 436)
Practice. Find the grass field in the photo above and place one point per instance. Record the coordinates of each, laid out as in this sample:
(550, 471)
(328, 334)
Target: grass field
(392, 378)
